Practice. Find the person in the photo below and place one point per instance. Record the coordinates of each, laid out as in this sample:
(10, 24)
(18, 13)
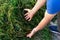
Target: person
(53, 7)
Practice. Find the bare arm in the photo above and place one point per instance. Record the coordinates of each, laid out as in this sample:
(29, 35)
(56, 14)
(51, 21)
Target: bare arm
(38, 5)
(47, 18)
(32, 11)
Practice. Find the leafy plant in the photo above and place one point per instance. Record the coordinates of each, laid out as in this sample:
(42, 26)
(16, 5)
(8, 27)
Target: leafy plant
(13, 25)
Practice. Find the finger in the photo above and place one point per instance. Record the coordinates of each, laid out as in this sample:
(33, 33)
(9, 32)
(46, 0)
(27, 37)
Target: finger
(26, 17)
(26, 14)
(26, 9)
(28, 36)
(29, 19)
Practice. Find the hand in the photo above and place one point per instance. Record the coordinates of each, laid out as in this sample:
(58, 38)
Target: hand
(31, 34)
(29, 14)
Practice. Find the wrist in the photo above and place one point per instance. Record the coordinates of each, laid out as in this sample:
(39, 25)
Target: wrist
(33, 11)
(34, 30)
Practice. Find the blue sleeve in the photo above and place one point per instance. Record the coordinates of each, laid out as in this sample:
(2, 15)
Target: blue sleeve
(52, 6)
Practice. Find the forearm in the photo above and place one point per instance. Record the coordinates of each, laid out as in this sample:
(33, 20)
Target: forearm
(38, 5)
(43, 22)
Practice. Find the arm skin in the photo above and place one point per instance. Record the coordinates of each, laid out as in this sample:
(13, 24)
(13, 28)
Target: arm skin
(31, 12)
(38, 5)
(47, 18)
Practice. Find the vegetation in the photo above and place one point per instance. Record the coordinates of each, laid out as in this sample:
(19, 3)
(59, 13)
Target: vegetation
(13, 25)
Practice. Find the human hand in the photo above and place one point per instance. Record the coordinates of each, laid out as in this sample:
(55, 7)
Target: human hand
(29, 14)
(31, 33)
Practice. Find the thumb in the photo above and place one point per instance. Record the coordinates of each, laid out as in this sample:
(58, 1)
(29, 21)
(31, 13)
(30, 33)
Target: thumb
(27, 9)
(29, 35)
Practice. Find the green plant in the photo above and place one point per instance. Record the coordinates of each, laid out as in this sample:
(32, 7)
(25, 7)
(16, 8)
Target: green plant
(13, 25)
